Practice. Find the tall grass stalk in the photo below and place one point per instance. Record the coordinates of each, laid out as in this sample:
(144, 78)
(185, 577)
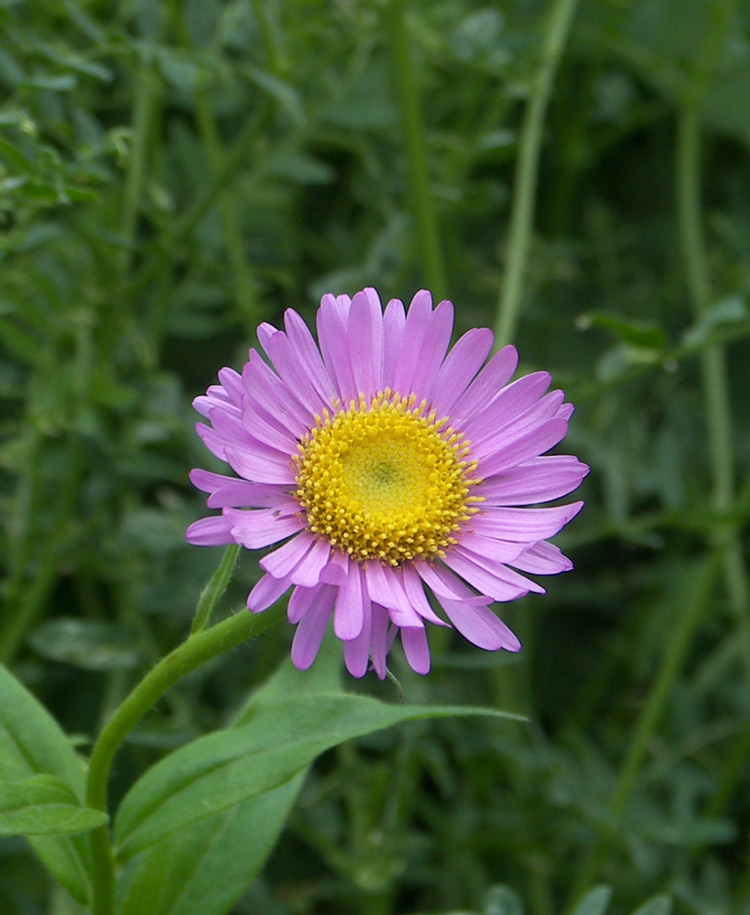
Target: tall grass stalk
(425, 216)
(527, 167)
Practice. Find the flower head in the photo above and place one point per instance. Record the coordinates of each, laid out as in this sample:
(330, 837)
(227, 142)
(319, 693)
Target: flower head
(390, 468)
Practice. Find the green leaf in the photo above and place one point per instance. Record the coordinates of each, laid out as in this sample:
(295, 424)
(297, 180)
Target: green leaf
(44, 806)
(32, 743)
(226, 768)
(640, 334)
(726, 314)
(205, 868)
(502, 900)
(595, 902)
(88, 644)
(657, 905)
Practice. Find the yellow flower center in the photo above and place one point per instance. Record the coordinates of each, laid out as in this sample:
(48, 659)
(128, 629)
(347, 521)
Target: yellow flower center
(384, 480)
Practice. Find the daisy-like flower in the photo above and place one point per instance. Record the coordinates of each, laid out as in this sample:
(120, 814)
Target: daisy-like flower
(391, 469)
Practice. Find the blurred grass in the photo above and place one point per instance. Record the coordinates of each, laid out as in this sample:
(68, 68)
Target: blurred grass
(170, 175)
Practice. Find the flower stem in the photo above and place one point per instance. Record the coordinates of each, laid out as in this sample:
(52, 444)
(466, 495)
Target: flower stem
(198, 648)
(416, 149)
(214, 589)
(527, 165)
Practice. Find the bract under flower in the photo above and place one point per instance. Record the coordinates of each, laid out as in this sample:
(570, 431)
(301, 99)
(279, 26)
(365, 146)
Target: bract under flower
(388, 468)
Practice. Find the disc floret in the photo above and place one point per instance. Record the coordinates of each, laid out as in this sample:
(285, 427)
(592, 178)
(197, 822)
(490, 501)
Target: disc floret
(383, 478)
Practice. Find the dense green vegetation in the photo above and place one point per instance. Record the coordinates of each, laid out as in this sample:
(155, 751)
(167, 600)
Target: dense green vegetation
(173, 173)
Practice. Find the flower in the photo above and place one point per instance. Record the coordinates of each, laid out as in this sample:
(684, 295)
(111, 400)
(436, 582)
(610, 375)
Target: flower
(389, 467)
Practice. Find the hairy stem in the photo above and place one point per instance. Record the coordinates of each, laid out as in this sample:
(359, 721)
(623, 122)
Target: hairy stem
(198, 648)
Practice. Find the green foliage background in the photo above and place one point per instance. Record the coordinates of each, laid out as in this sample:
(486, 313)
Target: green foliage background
(173, 173)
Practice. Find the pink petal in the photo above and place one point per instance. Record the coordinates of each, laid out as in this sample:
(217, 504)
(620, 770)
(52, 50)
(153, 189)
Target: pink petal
(266, 592)
(510, 402)
(416, 649)
(256, 528)
(349, 613)
(480, 626)
(433, 349)
(487, 385)
(357, 650)
(380, 640)
(271, 398)
(539, 480)
(499, 571)
(293, 372)
(231, 381)
(280, 439)
(365, 333)
(529, 445)
(482, 579)
(394, 321)
(311, 628)
(459, 368)
(487, 542)
(300, 602)
(418, 320)
(309, 355)
(543, 559)
(416, 596)
(260, 464)
(333, 316)
(444, 583)
(385, 589)
(307, 573)
(283, 561)
(215, 443)
(523, 525)
(229, 427)
(209, 532)
(229, 492)
(518, 427)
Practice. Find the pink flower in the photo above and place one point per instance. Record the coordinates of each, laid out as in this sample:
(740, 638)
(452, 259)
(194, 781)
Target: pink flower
(390, 468)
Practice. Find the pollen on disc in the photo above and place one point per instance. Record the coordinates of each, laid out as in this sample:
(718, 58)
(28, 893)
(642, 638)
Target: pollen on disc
(383, 479)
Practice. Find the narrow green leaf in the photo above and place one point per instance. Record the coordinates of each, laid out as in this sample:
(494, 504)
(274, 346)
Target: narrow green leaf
(224, 769)
(657, 905)
(205, 868)
(595, 902)
(502, 900)
(88, 644)
(44, 806)
(641, 334)
(32, 743)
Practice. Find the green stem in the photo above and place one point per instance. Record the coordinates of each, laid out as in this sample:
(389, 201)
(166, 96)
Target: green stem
(26, 594)
(215, 588)
(277, 60)
(143, 106)
(689, 613)
(713, 362)
(244, 282)
(527, 167)
(407, 91)
(197, 649)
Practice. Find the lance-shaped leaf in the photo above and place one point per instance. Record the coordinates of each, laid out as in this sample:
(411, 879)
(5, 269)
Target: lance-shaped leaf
(43, 805)
(32, 743)
(218, 771)
(205, 868)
